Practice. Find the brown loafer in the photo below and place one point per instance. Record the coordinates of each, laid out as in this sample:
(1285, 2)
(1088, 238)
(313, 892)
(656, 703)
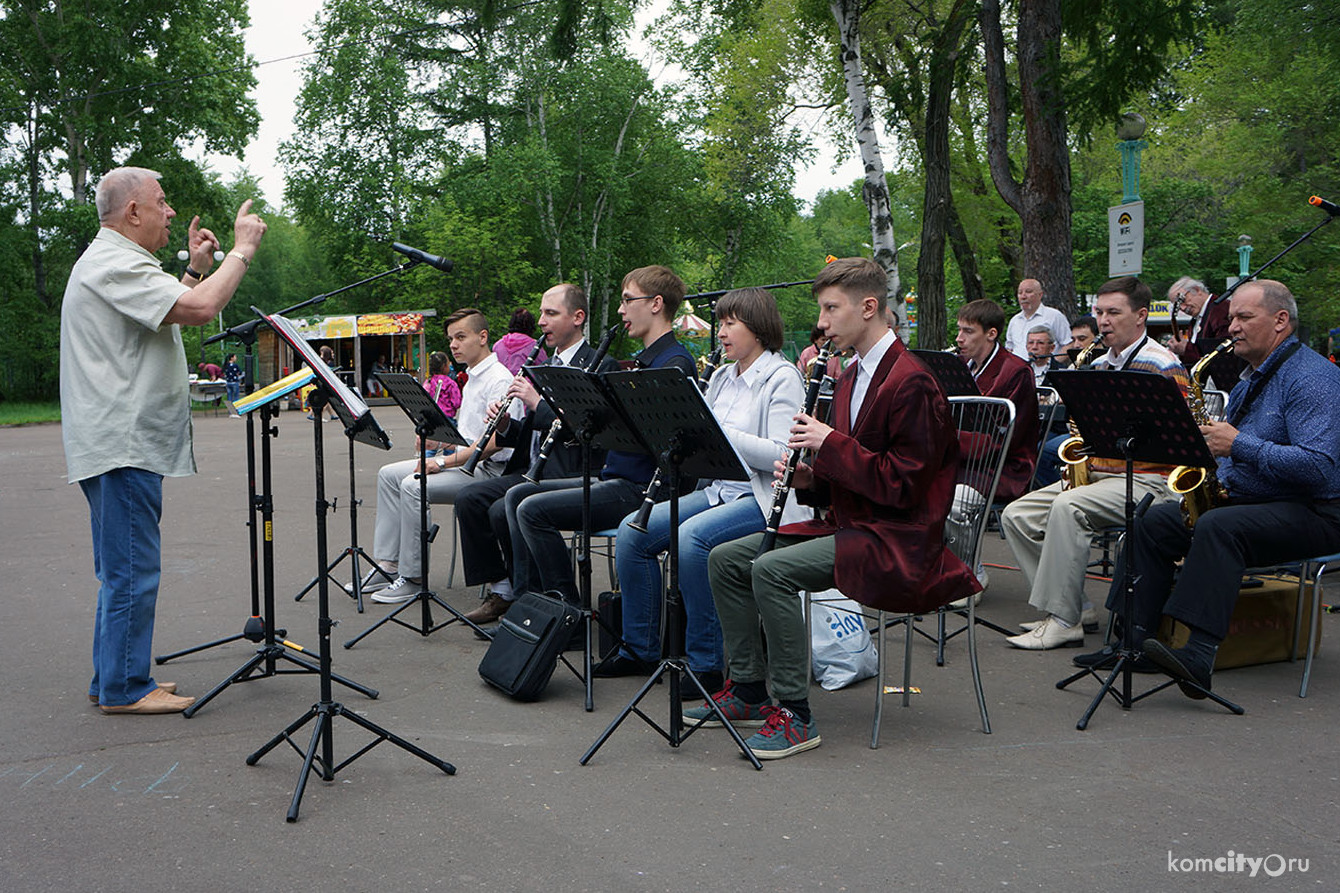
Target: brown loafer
(156, 701)
(493, 608)
(169, 687)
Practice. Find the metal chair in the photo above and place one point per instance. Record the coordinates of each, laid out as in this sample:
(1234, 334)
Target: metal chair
(985, 425)
(1309, 571)
(1312, 569)
(1216, 403)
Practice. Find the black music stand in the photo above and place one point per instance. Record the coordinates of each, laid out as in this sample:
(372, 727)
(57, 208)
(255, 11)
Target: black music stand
(951, 372)
(430, 423)
(1140, 416)
(360, 425)
(353, 551)
(581, 402)
(669, 409)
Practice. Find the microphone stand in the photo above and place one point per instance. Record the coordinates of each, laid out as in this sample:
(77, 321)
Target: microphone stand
(711, 298)
(1228, 292)
(260, 626)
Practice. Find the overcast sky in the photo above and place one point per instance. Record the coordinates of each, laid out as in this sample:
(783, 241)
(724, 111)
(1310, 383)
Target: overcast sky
(277, 32)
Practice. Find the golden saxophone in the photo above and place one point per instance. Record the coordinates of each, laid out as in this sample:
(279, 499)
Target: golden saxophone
(1075, 463)
(1199, 487)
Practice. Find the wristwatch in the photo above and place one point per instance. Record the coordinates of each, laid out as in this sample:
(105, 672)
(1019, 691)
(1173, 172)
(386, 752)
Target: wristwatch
(441, 461)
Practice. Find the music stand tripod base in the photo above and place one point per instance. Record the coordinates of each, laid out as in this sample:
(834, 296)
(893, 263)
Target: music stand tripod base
(429, 424)
(319, 757)
(666, 409)
(1143, 417)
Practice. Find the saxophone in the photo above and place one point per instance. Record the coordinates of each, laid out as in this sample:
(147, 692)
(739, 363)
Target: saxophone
(1075, 463)
(1199, 487)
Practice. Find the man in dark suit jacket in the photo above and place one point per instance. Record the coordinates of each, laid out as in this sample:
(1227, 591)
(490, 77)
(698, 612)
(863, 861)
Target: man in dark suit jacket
(999, 373)
(486, 539)
(1209, 327)
(886, 468)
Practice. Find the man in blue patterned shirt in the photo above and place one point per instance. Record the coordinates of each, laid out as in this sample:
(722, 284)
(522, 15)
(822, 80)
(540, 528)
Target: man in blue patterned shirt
(1279, 461)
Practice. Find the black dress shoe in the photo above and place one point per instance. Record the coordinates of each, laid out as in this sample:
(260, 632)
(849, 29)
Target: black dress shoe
(712, 680)
(1106, 659)
(1180, 665)
(618, 664)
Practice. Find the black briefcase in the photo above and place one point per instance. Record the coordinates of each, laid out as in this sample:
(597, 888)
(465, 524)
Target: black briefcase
(609, 607)
(526, 645)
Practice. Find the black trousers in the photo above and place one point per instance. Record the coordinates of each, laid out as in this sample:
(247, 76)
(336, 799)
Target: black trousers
(1226, 541)
(486, 539)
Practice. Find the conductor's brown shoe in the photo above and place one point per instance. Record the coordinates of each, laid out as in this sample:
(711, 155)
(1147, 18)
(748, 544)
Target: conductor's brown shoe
(169, 687)
(156, 701)
(493, 607)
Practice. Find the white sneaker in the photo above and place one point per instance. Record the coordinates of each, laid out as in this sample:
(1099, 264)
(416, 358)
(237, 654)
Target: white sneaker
(1088, 620)
(1048, 635)
(374, 580)
(962, 603)
(402, 590)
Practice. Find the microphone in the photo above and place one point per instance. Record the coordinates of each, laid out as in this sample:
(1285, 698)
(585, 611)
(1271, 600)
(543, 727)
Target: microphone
(423, 257)
(1329, 207)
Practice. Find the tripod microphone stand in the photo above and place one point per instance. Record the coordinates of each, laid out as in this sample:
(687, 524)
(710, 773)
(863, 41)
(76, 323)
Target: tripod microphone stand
(1138, 416)
(324, 712)
(671, 410)
(430, 423)
(260, 626)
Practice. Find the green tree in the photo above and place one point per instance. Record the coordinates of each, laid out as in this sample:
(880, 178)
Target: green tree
(86, 83)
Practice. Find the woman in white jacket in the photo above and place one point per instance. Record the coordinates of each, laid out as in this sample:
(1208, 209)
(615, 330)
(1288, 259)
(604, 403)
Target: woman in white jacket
(754, 398)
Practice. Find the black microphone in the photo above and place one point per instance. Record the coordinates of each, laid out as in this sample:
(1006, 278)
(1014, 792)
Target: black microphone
(423, 257)
(1329, 207)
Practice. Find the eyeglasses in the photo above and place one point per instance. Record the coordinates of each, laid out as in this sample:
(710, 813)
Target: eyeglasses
(625, 301)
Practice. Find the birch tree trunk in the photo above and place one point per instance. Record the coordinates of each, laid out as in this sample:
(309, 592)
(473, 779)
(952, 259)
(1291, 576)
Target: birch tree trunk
(875, 191)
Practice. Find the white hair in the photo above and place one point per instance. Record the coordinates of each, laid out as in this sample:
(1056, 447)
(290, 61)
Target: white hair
(117, 186)
(1186, 283)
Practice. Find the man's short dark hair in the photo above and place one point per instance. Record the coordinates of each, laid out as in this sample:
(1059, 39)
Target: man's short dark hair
(659, 280)
(985, 313)
(757, 310)
(574, 297)
(478, 322)
(857, 277)
(1136, 292)
(1087, 322)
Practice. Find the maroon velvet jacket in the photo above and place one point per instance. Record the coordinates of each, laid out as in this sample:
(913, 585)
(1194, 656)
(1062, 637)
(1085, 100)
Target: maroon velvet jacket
(890, 479)
(1226, 367)
(1010, 377)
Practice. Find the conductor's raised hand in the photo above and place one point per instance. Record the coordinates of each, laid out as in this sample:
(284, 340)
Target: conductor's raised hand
(201, 243)
(248, 230)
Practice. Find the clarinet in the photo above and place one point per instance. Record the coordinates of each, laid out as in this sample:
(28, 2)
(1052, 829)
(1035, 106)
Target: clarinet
(537, 467)
(492, 427)
(709, 368)
(653, 490)
(781, 489)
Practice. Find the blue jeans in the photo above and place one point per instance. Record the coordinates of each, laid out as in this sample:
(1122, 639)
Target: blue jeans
(636, 555)
(125, 506)
(234, 390)
(1049, 462)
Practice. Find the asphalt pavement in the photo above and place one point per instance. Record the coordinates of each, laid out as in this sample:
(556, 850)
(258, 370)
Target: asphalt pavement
(1172, 794)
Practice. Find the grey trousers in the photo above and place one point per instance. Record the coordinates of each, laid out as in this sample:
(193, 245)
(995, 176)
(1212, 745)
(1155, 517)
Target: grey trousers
(747, 592)
(1049, 532)
(396, 535)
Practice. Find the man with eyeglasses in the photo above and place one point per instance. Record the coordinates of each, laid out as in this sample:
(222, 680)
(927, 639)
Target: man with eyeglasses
(1209, 327)
(542, 512)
